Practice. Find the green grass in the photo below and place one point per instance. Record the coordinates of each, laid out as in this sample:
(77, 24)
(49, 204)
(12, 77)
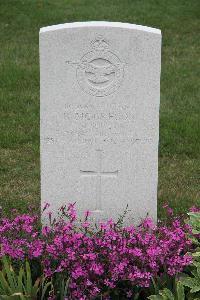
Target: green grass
(179, 158)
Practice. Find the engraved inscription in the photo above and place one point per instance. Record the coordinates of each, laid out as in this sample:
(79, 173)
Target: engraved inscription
(99, 174)
(98, 124)
(100, 71)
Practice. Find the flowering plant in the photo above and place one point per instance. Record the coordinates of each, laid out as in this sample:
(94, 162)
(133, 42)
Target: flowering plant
(105, 261)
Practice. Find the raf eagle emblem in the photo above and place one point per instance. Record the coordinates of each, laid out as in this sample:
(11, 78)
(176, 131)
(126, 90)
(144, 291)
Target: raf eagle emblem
(100, 71)
(98, 74)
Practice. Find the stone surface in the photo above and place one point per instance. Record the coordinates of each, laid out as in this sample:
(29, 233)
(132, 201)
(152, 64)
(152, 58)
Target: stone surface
(100, 93)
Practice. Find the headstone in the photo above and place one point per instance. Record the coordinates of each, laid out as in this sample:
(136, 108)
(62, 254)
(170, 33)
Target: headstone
(100, 94)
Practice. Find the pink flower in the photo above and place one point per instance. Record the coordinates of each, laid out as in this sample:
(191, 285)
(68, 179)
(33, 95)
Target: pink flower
(98, 258)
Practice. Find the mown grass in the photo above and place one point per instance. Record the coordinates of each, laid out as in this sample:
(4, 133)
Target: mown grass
(179, 158)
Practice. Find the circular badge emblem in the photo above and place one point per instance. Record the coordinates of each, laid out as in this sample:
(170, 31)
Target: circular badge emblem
(100, 72)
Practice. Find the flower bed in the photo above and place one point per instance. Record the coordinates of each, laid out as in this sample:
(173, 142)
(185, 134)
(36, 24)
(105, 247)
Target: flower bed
(109, 261)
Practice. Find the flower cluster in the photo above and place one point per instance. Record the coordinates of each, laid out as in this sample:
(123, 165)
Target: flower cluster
(98, 259)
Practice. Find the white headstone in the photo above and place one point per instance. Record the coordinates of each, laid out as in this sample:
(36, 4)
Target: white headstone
(100, 93)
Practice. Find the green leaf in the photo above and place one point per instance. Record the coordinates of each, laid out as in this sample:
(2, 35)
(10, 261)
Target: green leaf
(194, 240)
(20, 295)
(136, 296)
(167, 294)
(198, 274)
(35, 288)
(189, 282)
(5, 297)
(196, 264)
(20, 280)
(155, 297)
(194, 273)
(17, 286)
(45, 286)
(195, 215)
(66, 288)
(9, 274)
(196, 254)
(15, 296)
(195, 231)
(5, 286)
(180, 291)
(29, 284)
(195, 289)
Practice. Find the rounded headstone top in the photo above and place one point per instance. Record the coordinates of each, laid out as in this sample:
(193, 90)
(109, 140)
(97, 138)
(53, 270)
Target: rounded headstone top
(100, 24)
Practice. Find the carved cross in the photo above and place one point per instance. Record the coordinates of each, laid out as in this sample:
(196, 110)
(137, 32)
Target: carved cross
(98, 174)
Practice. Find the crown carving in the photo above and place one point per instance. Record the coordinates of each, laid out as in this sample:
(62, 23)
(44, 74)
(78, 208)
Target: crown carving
(100, 44)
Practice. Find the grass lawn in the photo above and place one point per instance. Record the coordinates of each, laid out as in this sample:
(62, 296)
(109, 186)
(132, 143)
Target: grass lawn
(179, 157)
